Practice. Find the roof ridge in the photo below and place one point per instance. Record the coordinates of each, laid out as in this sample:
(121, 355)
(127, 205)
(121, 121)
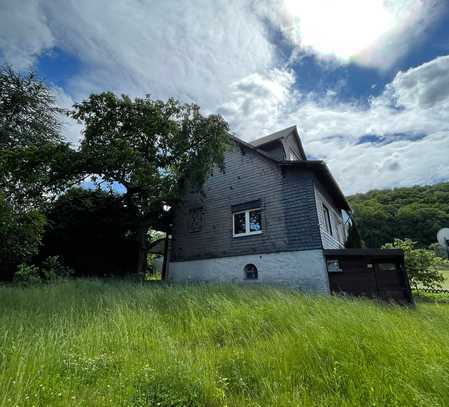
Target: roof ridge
(273, 136)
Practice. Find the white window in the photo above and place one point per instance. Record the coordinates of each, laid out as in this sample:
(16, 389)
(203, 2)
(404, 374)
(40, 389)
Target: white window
(247, 222)
(327, 219)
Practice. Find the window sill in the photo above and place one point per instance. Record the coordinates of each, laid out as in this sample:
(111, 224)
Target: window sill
(248, 234)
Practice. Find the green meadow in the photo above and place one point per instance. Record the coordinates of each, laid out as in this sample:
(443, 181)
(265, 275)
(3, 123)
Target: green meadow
(97, 343)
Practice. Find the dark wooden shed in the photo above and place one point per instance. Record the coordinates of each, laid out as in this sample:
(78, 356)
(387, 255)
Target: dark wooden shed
(375, 273)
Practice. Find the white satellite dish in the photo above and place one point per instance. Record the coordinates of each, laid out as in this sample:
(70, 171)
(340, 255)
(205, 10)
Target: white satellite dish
(443, 239)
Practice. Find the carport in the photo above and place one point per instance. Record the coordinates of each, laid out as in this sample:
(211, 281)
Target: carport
(375, 273)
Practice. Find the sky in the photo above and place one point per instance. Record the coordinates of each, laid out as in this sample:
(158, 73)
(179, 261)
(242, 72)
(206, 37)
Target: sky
(366, 82)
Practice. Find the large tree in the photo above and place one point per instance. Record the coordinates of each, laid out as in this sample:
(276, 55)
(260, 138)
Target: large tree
(28, 113)
(153, 148)
(35, 164)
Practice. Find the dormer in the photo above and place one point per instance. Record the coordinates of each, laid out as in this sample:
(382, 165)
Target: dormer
(282, 145)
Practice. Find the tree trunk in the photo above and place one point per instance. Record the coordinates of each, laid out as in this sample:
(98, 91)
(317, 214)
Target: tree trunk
(142, 247)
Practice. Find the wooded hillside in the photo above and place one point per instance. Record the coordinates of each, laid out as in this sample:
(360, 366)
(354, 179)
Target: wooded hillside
(416, 213)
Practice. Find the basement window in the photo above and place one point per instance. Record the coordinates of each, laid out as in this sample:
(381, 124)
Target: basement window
(327, 219)
(246, 223)
(250, 272)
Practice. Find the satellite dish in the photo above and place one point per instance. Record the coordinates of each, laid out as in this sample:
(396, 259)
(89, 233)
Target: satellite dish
(443, 239)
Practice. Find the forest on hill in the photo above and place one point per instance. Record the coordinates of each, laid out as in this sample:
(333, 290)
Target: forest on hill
(416, 212)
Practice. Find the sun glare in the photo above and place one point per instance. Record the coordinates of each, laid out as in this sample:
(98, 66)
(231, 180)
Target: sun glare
(342, 28)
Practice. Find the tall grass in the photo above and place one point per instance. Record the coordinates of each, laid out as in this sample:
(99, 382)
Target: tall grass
(94, 343)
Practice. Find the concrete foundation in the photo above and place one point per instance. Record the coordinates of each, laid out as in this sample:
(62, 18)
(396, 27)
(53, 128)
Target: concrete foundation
(305, 269)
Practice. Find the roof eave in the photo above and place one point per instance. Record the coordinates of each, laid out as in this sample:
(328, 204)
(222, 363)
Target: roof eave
(313, 164)
(253, 148)
(301, 148)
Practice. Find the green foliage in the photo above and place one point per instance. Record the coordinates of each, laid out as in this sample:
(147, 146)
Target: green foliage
(91, 231)
(421, 264)
(32, 177)
(416, 213)
(94, 343)
(153, 148)
(149, 146)
(51, 269)
(28, 114)
(35, 164)
(438, 250)
(354, 241)
(20, 237)
(27, 274)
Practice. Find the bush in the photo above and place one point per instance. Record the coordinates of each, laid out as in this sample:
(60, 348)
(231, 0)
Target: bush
(438, 250)
(51, 269)
(20, 238)
(90, 230)
(28, 274)
(421, 264)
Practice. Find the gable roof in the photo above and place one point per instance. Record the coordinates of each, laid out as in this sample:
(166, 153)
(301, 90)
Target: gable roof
(318, 167)
(273, 136)
(278, 136)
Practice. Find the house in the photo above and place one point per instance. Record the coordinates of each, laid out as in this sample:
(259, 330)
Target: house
(269, 216)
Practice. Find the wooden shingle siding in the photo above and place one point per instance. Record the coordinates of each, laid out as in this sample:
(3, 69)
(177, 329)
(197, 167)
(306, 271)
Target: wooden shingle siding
(275, 150)
(302, 228)
(336, 240)
(289, 220)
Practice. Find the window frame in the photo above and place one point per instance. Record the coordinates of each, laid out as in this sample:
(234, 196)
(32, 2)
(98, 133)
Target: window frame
(247, 227)
(327, 219)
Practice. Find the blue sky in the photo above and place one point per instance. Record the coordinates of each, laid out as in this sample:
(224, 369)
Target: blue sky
(367, 83)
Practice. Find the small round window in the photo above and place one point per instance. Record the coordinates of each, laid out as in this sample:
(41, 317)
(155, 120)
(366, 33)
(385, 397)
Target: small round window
(250, 272)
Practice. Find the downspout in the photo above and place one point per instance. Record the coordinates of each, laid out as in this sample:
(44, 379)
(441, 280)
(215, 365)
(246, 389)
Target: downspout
(164, 272)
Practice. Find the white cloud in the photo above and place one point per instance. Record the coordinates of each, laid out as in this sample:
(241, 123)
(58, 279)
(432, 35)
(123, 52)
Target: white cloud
(220, 55)
(375, 33)
(190, 51)
(164, 48)
(193, 51)
(24, 32)
(257, 101)
(415, 103)
(424, 86)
